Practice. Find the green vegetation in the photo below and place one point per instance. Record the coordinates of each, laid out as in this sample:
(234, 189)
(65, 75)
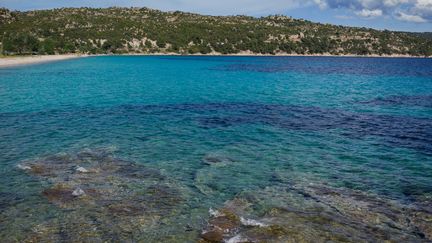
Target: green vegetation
(143, 30)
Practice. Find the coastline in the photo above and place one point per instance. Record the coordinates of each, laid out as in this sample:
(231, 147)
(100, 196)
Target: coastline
(250, 54)
(27, 60)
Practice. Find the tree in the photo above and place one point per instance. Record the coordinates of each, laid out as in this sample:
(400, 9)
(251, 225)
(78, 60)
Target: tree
(20, 43)
(47, 47)
(148, 44)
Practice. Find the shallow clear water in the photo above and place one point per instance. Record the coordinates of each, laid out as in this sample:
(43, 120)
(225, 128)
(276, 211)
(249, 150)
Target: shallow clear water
(217, 127)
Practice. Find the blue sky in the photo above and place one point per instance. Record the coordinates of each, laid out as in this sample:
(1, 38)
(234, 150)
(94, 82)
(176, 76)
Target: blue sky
(406, 15)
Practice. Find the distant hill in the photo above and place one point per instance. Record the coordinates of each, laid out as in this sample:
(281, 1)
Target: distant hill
(427, 35)
(143, 30)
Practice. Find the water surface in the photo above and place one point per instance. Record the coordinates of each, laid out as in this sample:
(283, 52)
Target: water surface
(188, 134)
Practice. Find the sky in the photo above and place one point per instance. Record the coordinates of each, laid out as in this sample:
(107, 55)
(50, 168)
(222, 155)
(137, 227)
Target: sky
(403, 15)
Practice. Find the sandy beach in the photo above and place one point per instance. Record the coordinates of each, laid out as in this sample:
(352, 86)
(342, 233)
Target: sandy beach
(25, 60)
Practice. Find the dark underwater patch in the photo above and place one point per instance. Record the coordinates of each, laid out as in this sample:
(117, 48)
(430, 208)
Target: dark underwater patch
(402, 100)
(397, 131)
(205, 59)
(334, 65)
(8, 199)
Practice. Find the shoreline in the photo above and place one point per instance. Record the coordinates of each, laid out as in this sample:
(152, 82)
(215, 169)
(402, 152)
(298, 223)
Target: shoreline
(250, 54)
(13, 61)
(28, 60)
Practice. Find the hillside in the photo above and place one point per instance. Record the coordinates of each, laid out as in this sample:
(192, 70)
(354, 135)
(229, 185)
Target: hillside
(143, 30)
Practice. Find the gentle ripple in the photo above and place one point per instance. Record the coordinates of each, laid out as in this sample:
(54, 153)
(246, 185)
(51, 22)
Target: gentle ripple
(293, 135)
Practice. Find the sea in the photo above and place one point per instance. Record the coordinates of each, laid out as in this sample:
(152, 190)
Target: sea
(216, 149)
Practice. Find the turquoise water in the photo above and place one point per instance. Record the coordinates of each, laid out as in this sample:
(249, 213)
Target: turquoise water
(215, 128)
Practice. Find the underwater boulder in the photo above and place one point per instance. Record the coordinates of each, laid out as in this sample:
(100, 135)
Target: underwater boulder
(119, 197)
(217, 159)
(82, 169)
(78, 192)
(318, 213)
(213, 236)
(59, 194)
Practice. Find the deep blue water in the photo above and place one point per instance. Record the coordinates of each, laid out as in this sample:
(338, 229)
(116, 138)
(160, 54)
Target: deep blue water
(352, 123)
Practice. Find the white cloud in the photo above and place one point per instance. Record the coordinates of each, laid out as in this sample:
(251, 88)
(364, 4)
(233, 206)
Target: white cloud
(366, 13)
(424, 4)
(418, 11)
(321, 3)
(396, 3)
(345, 17)
(423, 8)
(410, 18)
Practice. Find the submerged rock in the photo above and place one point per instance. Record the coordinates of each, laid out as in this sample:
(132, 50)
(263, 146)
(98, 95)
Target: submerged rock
(317, 214)
(59, 194)
(78, 192)
(41, 170)
(252, 222)
(118, 199)
(24, 167)
(215, 158)
(121, 201)
(213, 236)
(127, 209)
(82, 169)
